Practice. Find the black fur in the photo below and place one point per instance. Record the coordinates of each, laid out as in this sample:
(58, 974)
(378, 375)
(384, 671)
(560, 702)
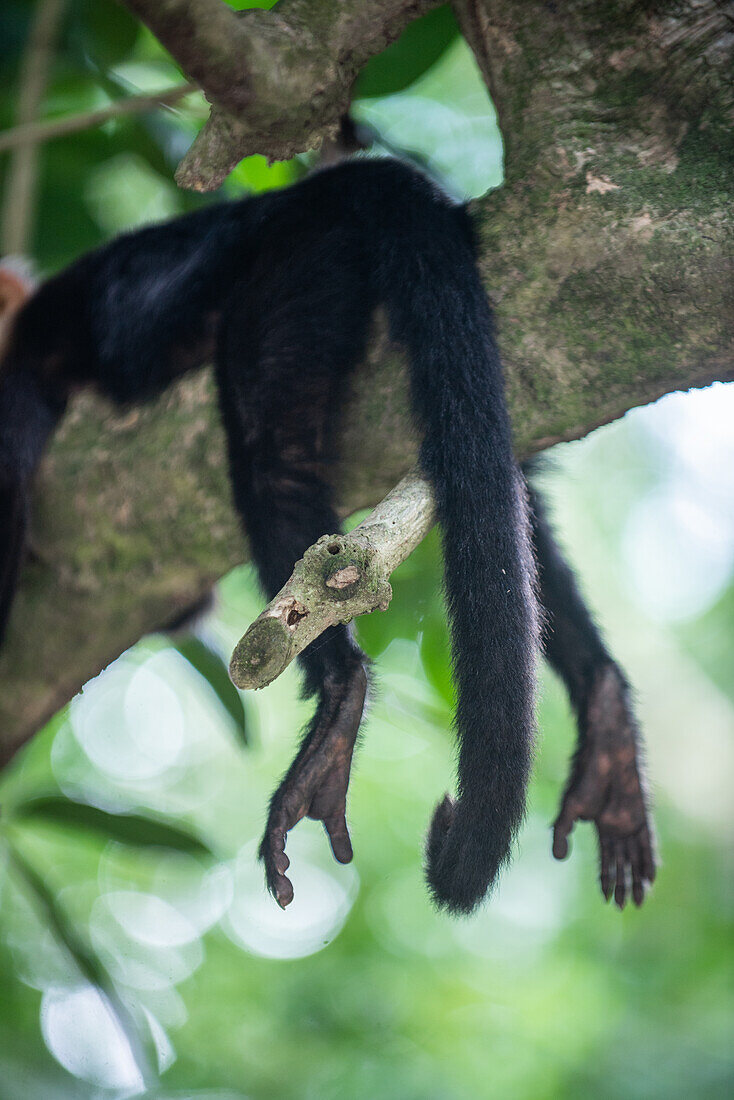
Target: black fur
(571, 639)
(280, 290)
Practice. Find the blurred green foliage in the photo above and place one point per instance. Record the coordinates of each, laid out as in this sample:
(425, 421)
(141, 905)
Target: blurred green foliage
(139, 954)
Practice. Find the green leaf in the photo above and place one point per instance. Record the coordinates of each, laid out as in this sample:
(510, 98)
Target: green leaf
(420, 45)
(131, 829)
(208, 663)
(242, 5)
(255, 175)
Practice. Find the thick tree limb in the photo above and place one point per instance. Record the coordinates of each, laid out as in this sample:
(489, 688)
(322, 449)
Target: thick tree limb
(208, 40)
(36, 133)
(339, 577)
(278, 81)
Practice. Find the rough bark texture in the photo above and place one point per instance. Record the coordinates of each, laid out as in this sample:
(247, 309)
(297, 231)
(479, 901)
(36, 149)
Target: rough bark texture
(607, 256)
(608, 252)
(278, 81)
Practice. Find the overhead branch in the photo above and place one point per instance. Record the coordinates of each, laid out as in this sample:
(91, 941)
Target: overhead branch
(37, 133)
(340, 577)
(278, 81)
(206, 38)
(21, 184)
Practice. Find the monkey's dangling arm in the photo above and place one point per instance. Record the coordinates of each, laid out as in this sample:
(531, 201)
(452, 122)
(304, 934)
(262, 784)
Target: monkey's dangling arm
(606, 784)
(280, 379)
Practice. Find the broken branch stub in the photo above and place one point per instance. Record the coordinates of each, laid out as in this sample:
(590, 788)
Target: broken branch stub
(339, 577)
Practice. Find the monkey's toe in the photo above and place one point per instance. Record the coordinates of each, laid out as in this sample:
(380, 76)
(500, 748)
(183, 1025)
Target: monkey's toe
(627, 865)
(276, 862)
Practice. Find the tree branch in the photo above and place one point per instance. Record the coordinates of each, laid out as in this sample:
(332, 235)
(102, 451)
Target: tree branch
(20, 188)
(279, 81)
(605, 298)
(36, 133)
(339, 577)
(206, 38)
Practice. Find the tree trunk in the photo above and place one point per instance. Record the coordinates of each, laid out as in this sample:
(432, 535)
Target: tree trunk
(608, 258)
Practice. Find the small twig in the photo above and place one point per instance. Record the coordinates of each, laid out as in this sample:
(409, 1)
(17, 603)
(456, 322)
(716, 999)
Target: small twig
(36, 133)
(22, 179)
(339, 577)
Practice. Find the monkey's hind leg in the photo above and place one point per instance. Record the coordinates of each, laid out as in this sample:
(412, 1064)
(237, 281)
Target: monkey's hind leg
(280, 388)
(317, 781)
(606, 784)
(286, 507)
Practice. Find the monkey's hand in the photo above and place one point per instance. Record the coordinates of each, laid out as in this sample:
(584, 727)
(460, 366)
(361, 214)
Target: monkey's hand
(316, 784)
(606, 786)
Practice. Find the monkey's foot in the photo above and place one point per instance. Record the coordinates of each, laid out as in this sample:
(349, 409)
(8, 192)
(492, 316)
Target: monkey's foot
(316, 784)
(606, 786)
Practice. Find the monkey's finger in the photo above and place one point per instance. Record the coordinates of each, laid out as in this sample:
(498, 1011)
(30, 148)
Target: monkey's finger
(281, 862)
(563, 826)
(606, 853)
(272, 853)
(275, 839)
(338, 833)
(620, 890)
(278, 884)
(634, 857)
(282, 890)
(647, 854)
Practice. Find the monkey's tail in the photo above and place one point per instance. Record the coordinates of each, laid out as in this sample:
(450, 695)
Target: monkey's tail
(439, 311)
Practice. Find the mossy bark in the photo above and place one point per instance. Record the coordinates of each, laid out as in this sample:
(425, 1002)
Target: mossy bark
(608, 258)
(608, 252)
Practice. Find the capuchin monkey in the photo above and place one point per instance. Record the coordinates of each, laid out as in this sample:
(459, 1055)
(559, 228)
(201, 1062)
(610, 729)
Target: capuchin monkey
(279, 292)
